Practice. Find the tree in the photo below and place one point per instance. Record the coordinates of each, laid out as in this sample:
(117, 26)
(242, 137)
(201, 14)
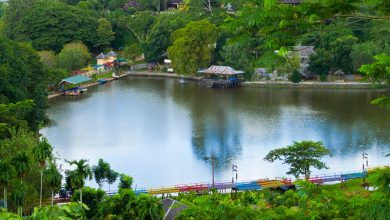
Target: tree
(49, 25)
(104, 173)
(111, 177)
(42, 152)
(301, 156)
(149, 207)
(22, 77)
(193, 46)
(379, 71)
(79, 174)
(6, 175)
(104, 35)
(363, 53)
(53, 178)
(125, 182)
(160, 35)
(22, 165)
(74, 56)
(48, 58)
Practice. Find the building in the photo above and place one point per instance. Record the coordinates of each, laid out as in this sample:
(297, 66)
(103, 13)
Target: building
(102, 58)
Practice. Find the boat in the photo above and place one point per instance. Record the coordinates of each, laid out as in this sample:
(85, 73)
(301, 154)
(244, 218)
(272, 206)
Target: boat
(115, 76)
(72, 92)
(102, 80)
(83, 89)
(182, 81)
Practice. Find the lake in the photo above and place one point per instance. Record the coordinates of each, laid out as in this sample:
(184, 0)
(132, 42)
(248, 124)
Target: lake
(164, 133)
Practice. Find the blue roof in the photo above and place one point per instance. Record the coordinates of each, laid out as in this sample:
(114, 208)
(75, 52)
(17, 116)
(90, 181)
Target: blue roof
(76, 79)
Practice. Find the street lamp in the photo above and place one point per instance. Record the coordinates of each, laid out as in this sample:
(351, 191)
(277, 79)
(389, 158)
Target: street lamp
(365, 159)
(212, 158)
(234, 169)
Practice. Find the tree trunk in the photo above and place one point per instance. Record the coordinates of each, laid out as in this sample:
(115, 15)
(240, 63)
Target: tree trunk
(81, 195)
(5, 198)
(52, 197)
(40, 195)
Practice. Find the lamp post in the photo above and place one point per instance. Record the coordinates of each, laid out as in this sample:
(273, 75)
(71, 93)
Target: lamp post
(234, 169)
(365, 159)
(212, 158)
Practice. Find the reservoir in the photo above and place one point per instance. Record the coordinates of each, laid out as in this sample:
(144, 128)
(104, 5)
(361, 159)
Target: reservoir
(164, 133)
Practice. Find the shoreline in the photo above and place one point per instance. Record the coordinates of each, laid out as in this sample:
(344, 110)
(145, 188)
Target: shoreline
(253, 84)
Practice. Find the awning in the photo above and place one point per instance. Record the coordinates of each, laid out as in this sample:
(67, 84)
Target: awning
(76, 79)
(221, 70)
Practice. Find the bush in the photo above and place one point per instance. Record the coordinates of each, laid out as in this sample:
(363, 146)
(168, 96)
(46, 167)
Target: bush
(91, 197)
(295, 77)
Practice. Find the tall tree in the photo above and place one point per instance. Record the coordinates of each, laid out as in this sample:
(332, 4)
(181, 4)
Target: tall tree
(301, 156)
(104, 35)
(49, 25)
(193, 46)
(79, 174)
(23, 77)
(53, 177)
(74, 56)
(42, 152)
(6, 175)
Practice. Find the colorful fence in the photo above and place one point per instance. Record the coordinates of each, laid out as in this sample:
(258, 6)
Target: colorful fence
(260, 184)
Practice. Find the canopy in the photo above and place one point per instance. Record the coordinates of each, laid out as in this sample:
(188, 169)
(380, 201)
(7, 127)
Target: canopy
(221, 70)
(76, 79)
(121, 60)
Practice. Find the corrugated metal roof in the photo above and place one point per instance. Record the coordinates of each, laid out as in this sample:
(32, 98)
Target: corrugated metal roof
(101, 56)
(221, 70)
(111, 54)
(76, 79)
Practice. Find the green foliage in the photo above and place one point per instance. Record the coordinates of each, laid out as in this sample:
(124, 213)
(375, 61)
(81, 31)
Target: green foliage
(121, 204)
(74, 56)
(159, 38)
(125, 182)
(149, 207)
(104, 35)
(103, 173)
(380, 178)
(65, 212)
(48, 58)
(295, 77)
(79, 174)
(192, 47)
(91, 198)
(66, 24)
(42, 152)
(13, 116)
(300, 156)
(22, 77)
(363, 53)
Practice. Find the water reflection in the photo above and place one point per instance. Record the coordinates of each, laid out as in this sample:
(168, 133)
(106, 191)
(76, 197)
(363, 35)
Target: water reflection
(161, 132)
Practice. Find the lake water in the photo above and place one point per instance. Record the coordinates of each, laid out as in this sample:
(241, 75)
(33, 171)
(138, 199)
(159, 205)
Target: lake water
(164, 133)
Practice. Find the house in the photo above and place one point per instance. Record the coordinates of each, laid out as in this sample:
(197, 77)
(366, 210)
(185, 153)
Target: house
(174, 4)
(304, 53)
(102, 58)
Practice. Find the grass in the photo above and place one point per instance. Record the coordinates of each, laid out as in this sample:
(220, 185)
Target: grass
(95, 77)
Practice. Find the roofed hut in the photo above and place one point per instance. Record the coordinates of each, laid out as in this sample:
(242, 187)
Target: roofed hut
(339, 75)
(220, 77)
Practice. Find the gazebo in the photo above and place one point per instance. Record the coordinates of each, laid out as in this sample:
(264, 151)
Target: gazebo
(71, 85)
(220, 77)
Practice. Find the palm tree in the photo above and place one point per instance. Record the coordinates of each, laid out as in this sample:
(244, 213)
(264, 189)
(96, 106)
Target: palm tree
(6, 175)
(18, 197)
(42, 151)
(53, 177)
(78, 175)
(22, 165)
(149, 207)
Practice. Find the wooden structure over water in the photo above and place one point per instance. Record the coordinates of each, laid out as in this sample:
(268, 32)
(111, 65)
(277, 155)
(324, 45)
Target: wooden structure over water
(220, 77)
